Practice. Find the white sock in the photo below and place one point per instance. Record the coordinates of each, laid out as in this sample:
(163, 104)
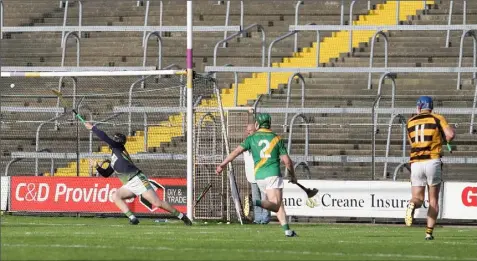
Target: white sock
(132, 217)
(180, 216)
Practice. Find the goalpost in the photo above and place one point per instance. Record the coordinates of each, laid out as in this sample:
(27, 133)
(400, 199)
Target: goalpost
(151, 107)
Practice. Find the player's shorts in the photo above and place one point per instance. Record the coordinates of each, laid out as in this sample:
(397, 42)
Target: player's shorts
(427, 172)
(138, 184)
(274, 182)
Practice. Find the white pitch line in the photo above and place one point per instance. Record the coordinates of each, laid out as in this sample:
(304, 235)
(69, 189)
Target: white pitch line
(437, 241)
(159, 248)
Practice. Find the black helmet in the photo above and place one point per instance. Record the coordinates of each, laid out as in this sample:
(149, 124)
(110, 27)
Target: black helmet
(119, 138)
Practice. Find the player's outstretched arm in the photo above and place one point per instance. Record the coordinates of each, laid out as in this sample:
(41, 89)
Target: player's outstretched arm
(234, 154)
(102, 135)
(289, 166)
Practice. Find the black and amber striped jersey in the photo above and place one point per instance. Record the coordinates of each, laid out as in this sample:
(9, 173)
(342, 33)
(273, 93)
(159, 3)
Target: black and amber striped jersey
(426, 136)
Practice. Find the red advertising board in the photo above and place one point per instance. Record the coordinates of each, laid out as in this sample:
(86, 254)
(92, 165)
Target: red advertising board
(87, 194)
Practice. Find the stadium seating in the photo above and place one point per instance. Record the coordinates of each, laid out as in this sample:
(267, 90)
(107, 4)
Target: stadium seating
(330, 135)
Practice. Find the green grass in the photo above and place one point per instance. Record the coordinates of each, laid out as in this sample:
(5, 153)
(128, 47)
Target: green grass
(46, 238)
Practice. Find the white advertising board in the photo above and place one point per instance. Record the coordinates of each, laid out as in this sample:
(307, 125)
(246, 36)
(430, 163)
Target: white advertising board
(5, 190)
(379, 199)
(460, 200)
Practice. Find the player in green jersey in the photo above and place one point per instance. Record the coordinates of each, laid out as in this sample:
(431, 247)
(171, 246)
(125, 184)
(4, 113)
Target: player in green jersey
(267, 149)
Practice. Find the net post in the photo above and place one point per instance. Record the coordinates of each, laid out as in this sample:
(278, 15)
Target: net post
(190, 158)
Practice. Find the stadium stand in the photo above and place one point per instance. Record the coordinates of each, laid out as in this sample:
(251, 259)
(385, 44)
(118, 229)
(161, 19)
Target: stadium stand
(331, 134)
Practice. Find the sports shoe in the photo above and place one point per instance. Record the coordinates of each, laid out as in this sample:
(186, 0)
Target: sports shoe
(429, 237)
(409, 214)
(186, 220)
(134, 221)
(293, 234)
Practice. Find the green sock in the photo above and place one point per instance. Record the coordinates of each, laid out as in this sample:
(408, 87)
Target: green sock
(286, 227)
(258, 203)
(129, 214)
(177, 214)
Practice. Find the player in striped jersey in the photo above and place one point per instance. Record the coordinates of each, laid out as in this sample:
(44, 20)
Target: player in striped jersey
(427, 132)
(267, 150)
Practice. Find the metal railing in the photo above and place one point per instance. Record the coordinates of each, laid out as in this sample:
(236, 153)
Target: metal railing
(130, 101)
(37, 141)
(145, 45)
(199, 130)
(1, 19)
(297, 8)
(391, 76)
(58, 102)
(244, 30)
(307, 133)
(461, 54)
(65, 18)
(371, 54)
(270, 47)
(474, 104)
(449, 19)
(302, 82)
(402, 120)
(227, 18)
(63, 46)
(14, 160)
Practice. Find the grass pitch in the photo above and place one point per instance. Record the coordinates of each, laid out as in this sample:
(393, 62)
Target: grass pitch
(46, 238)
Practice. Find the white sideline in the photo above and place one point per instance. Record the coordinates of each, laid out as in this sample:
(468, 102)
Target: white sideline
(159, 248)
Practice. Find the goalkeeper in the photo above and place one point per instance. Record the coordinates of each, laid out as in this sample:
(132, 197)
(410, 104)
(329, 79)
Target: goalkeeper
(267, 149)
(135, 183)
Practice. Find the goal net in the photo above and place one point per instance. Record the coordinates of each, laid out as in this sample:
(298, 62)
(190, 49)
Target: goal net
(48, 153)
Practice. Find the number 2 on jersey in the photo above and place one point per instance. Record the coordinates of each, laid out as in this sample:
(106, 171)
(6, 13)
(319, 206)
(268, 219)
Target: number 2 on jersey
(263, 151)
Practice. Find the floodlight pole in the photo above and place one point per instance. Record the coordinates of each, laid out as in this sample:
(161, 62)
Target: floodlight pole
(190, 151)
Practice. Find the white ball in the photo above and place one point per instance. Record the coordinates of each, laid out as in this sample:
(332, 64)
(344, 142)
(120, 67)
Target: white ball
(205, 223)
(12, 85)
(228, 223)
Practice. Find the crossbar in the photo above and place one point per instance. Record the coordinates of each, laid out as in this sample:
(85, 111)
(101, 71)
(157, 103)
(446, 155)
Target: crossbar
(74, 68)
(92, 73)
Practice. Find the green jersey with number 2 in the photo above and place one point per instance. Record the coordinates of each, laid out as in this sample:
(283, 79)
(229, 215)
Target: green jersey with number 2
(266, 148)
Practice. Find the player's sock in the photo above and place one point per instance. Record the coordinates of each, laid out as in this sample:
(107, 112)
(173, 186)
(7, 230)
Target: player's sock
(429, 231)
(178, 214)
(258, 203)
(287, 230)
(130, 215)
(286, 227)
(409, 219)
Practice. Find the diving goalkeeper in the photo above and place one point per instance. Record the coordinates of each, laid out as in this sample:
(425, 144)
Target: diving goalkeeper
(135, 183)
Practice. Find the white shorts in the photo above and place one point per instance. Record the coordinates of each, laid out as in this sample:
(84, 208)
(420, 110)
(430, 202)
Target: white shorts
(273, 182)
(138, 184)
(427, 172)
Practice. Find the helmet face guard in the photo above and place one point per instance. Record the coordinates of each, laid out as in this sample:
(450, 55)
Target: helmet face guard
(119, 138)
(263, 120)
(425, 103)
